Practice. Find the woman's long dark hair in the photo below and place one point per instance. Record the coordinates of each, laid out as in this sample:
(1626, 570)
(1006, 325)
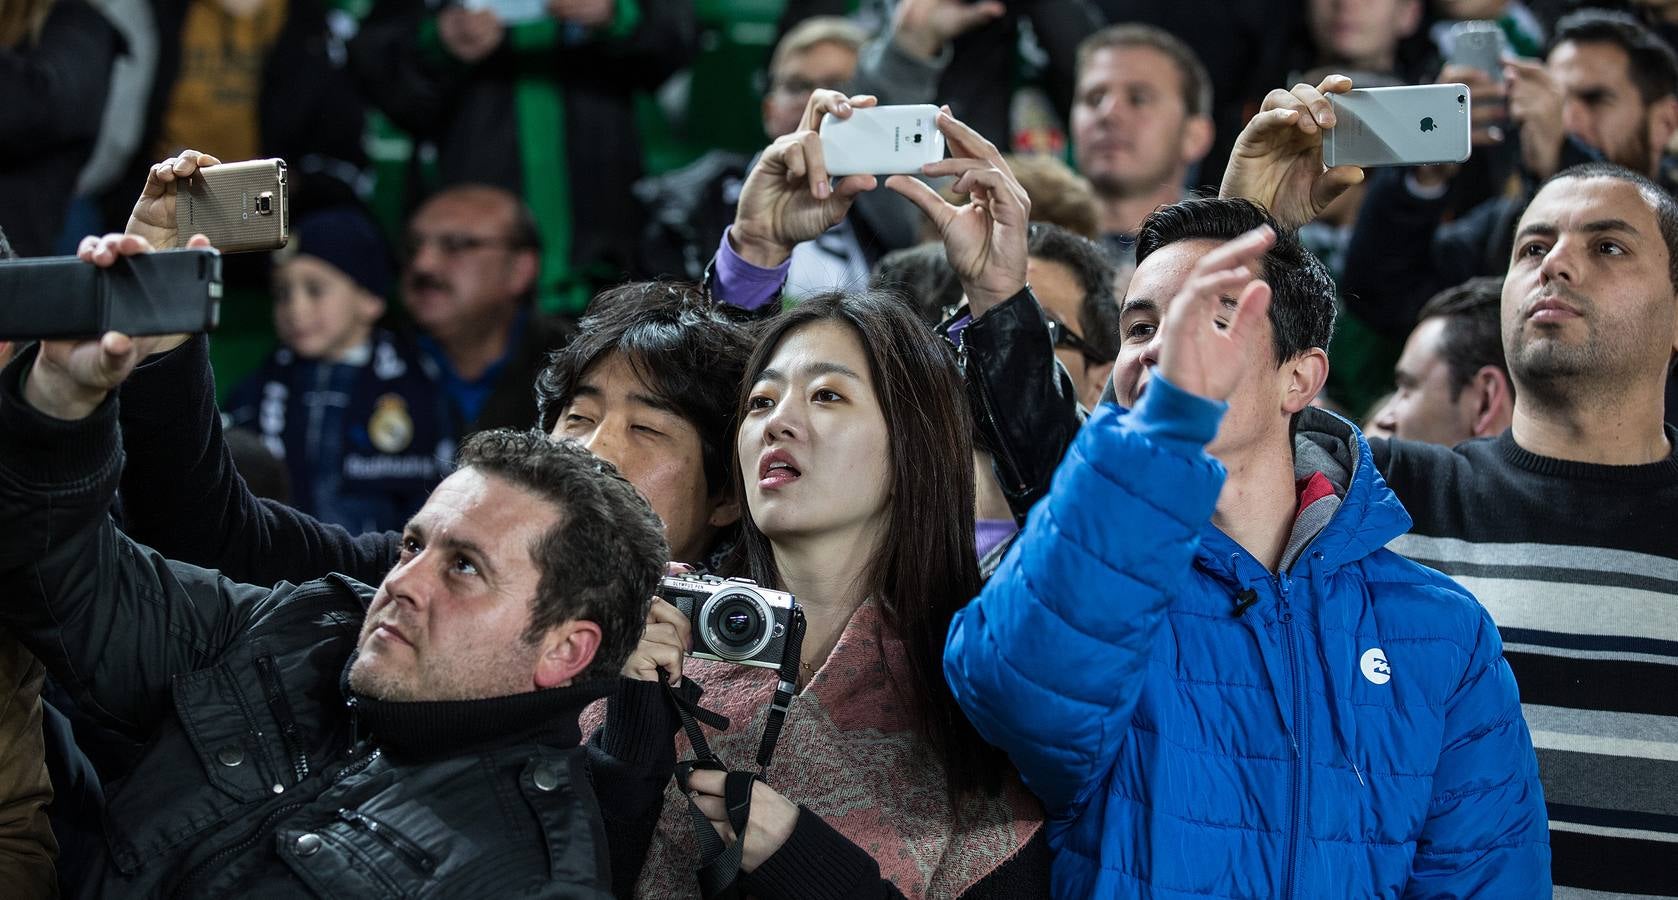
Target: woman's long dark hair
(925, 567)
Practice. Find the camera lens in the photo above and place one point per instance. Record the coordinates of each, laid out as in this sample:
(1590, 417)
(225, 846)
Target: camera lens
(736, 623)
(1462, 98)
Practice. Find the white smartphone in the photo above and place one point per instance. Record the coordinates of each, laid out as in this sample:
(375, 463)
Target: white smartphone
(1411, 125)
(882, 140)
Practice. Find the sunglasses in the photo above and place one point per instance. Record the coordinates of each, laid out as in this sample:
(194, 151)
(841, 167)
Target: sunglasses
(1063, 337)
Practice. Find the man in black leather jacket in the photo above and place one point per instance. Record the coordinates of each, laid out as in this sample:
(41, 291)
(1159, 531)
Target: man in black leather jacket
(330, 739)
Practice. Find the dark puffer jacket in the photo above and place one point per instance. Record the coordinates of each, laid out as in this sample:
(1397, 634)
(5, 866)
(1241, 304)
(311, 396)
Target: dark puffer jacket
(263, 775)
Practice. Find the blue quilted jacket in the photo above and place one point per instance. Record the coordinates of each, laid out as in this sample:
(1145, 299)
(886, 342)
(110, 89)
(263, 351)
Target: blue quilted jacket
(1197, 726)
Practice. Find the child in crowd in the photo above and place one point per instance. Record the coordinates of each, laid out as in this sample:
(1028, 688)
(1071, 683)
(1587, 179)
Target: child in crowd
(354, 412)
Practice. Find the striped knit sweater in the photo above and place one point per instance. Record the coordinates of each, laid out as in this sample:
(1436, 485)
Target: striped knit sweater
(1578, 566)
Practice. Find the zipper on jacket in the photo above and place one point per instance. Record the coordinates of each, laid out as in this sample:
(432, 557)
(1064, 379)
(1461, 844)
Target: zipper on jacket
(231, 850)
(290, 736)
(355, 768)
(1301, 743)
(392, 839)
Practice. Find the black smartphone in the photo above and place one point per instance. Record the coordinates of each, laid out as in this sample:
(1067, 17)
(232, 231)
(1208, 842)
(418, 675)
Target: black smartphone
(168, 292)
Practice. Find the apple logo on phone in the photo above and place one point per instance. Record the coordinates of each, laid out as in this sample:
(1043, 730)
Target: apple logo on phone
(1427, 124)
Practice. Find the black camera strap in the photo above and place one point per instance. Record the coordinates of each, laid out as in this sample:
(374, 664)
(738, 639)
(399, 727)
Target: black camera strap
(719, 869)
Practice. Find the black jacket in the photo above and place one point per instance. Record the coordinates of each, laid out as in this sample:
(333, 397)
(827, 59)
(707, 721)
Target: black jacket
(52, 98)
(263, 775)
(1007, 359)
(470, 111)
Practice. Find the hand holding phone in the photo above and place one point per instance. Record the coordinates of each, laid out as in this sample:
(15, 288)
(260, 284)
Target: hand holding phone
(154, 216)
(1478, 44)
(139, 294)
(1411, 125)
(88, 311)
(882, 140)
(1278, 157)
(238, 206)
(788, 197)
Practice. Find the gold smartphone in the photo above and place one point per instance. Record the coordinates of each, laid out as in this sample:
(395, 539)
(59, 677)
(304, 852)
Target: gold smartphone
(238, 206)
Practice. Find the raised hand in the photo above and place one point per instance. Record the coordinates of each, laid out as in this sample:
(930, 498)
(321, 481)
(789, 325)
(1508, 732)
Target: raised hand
(103, 252)
(923, 27)
(1490, 107)
(985, 239)
(787, 199)
(1205, 330)
(153, 217)
(1278, 158)
(1535, 104)
(71, 378)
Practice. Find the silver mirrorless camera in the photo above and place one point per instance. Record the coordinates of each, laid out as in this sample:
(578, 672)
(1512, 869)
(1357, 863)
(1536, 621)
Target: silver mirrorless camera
(734, 620)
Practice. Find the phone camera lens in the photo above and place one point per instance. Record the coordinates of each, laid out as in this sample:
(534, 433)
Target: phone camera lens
(1462, 98)
(917, 138)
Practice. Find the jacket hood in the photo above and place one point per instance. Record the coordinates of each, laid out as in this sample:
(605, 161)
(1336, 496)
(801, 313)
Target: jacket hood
(1370, 514)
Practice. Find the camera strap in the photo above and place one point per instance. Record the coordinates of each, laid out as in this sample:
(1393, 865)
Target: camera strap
(719, 869)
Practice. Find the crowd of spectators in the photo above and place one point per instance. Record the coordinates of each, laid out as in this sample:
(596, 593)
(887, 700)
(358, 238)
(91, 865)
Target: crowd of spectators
(1166, 513)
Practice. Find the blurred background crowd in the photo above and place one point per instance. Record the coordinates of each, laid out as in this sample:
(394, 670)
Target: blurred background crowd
(478, 172)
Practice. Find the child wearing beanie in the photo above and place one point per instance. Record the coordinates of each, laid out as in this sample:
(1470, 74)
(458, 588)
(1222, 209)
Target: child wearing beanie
(354, 412)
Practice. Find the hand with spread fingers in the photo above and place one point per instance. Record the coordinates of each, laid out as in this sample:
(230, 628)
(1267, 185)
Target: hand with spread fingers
(984, 239)
(1215, 314)
(768, 825)
(153, 217)
(787, 198)
(1278, 158)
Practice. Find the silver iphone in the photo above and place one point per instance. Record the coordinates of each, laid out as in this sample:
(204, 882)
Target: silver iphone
(1411, 125)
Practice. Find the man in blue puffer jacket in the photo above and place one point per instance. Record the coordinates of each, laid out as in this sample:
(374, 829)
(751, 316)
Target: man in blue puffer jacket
(1198, 653)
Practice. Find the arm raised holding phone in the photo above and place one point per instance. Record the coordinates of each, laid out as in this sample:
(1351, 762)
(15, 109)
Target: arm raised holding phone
(789, 198)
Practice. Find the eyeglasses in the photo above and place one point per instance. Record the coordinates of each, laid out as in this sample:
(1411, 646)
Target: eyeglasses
(1063, 337)
(452, 243)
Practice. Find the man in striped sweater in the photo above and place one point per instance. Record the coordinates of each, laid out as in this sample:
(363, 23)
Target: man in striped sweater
(1566, 526)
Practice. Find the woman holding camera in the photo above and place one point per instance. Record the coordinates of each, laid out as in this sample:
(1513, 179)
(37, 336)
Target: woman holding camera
(854, 458)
